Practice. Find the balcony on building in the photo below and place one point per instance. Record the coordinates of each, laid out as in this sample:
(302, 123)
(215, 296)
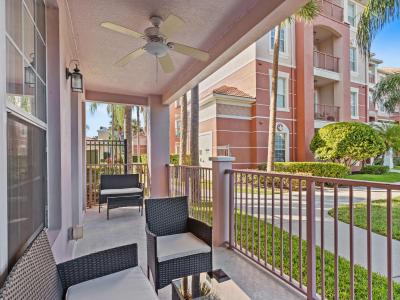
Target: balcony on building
(325, 107)
(325, 58)
(332, 9)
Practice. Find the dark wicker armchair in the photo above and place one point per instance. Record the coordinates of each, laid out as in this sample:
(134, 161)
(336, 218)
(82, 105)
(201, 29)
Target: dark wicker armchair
(177, 245)
(121, 191)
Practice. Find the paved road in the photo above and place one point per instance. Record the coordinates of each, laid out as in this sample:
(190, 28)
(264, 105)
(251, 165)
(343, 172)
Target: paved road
(379, 255)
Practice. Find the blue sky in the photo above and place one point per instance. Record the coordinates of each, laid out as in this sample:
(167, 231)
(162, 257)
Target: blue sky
(386, 46)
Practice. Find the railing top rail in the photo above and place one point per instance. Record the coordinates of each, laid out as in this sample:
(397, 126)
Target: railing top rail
(327, 105)
(334, 4)
(338, 181)
(326, 54)
(116, 163)
(189, 167)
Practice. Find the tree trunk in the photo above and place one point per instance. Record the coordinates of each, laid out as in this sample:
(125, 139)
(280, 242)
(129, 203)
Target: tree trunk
(272, 104)
(128, 136)
(194, 127)
(388, 158)
(138, 132)
(184, 120)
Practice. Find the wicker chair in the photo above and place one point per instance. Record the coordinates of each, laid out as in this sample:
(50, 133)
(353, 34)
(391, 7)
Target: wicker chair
(177, 245)
(121, 191)
(37, 276)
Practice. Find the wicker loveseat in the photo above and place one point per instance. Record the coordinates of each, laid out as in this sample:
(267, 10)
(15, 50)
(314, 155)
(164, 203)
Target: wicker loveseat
(110, 274)
(177, 245)
(121, 191)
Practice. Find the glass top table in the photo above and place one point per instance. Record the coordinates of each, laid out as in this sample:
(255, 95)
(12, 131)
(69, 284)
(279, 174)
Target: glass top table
(215, 285)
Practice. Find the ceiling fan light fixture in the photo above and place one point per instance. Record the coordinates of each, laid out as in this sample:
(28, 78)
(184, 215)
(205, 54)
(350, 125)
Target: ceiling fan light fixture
(156, 48)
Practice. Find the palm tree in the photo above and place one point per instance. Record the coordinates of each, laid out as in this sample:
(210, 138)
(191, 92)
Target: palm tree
(306, 14)
(128, 136)
(376, 15)
(138, 132)
(194, 126)
(390, 134)
(184, 121)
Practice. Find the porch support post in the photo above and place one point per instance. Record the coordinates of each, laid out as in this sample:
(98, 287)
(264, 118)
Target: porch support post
(220, 193)
(158, 145)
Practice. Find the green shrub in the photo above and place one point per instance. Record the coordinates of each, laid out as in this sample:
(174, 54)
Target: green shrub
(377, 170)
(320, 169)
(347, 143)
(396, 161)
(174, 159)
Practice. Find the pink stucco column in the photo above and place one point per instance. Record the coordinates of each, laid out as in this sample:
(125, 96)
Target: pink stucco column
(158, 145)
(220, 195)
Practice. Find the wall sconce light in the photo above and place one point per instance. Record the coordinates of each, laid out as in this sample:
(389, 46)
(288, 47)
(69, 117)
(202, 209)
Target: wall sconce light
(30, 76)
(76, 78)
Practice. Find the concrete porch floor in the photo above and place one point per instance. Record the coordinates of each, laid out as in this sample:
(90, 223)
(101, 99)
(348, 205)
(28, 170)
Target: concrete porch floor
(127, 226)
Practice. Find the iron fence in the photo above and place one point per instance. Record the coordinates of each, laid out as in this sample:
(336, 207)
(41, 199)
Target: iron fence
(289, 225)
(196, 183)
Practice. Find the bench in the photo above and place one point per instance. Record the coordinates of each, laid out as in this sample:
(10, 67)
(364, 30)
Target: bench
(121, 191)
(110, 274)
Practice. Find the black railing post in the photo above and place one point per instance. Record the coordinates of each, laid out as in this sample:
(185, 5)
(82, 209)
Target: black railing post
(125, 157)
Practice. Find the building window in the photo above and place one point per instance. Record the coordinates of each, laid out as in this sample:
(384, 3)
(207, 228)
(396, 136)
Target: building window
(26, 123)
(353, 59)
(280, 147)
(178, 128)
(352, 14)
(281, 96)
(354, 104)
(282, 46)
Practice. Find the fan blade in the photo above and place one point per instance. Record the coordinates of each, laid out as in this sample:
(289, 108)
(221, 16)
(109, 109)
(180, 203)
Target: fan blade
(171, 25)
(121, 29)
(126, 59)
(166, 63)
(190, 51)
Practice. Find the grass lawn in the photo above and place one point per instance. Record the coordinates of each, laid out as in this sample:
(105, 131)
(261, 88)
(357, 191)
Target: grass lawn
(250, 224)
(360, 273)
(389, 177)
(397, 167)
(378, 216)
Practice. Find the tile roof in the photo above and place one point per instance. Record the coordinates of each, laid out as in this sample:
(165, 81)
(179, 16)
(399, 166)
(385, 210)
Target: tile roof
(231, 91)
(389, 70)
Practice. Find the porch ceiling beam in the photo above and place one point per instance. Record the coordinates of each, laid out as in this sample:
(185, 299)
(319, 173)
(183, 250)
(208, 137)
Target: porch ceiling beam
(115, 98)
(256, 22)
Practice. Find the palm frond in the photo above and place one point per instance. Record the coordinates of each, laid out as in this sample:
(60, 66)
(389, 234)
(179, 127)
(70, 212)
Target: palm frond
(375, 16)
(387, 92)
(93, 107)
(309, 11)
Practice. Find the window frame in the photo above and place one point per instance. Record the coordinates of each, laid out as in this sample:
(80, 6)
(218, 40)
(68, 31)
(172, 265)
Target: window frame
(349, 17)
(284, 53)
(354, 91)
(355, 71)
(286, 77)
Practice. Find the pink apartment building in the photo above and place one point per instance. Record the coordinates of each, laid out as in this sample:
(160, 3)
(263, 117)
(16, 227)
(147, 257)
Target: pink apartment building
(323, 78)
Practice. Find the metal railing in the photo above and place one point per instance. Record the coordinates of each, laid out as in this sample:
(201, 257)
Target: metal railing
(326, 112)
(289, 225)
(326, 61)
(332, 10)
(196, 183)
(371, 78)
(94, 172)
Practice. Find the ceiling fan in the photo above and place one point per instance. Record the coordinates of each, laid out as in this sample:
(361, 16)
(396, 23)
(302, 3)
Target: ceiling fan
(157, 45)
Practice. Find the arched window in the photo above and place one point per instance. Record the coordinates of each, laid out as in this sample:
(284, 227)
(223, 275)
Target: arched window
(281, 143)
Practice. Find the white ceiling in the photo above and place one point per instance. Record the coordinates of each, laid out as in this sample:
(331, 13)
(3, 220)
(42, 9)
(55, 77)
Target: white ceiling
(207, 22)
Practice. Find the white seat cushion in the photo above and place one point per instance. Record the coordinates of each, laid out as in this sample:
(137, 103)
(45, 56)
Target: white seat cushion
(128, 284)
(179, 245)
(120, 191)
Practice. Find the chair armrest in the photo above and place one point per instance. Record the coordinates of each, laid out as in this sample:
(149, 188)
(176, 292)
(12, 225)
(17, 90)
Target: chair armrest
(200, 230)
(97, 264)
(151, 251)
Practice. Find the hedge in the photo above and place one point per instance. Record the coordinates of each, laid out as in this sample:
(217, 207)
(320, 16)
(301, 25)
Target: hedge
(376, 169)
(320, 169)
(174, 159)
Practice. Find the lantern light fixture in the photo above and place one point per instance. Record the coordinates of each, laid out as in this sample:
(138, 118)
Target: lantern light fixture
(76, 78)
(30, 76)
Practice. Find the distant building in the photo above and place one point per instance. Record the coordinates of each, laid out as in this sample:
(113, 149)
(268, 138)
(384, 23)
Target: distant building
(323, 78)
